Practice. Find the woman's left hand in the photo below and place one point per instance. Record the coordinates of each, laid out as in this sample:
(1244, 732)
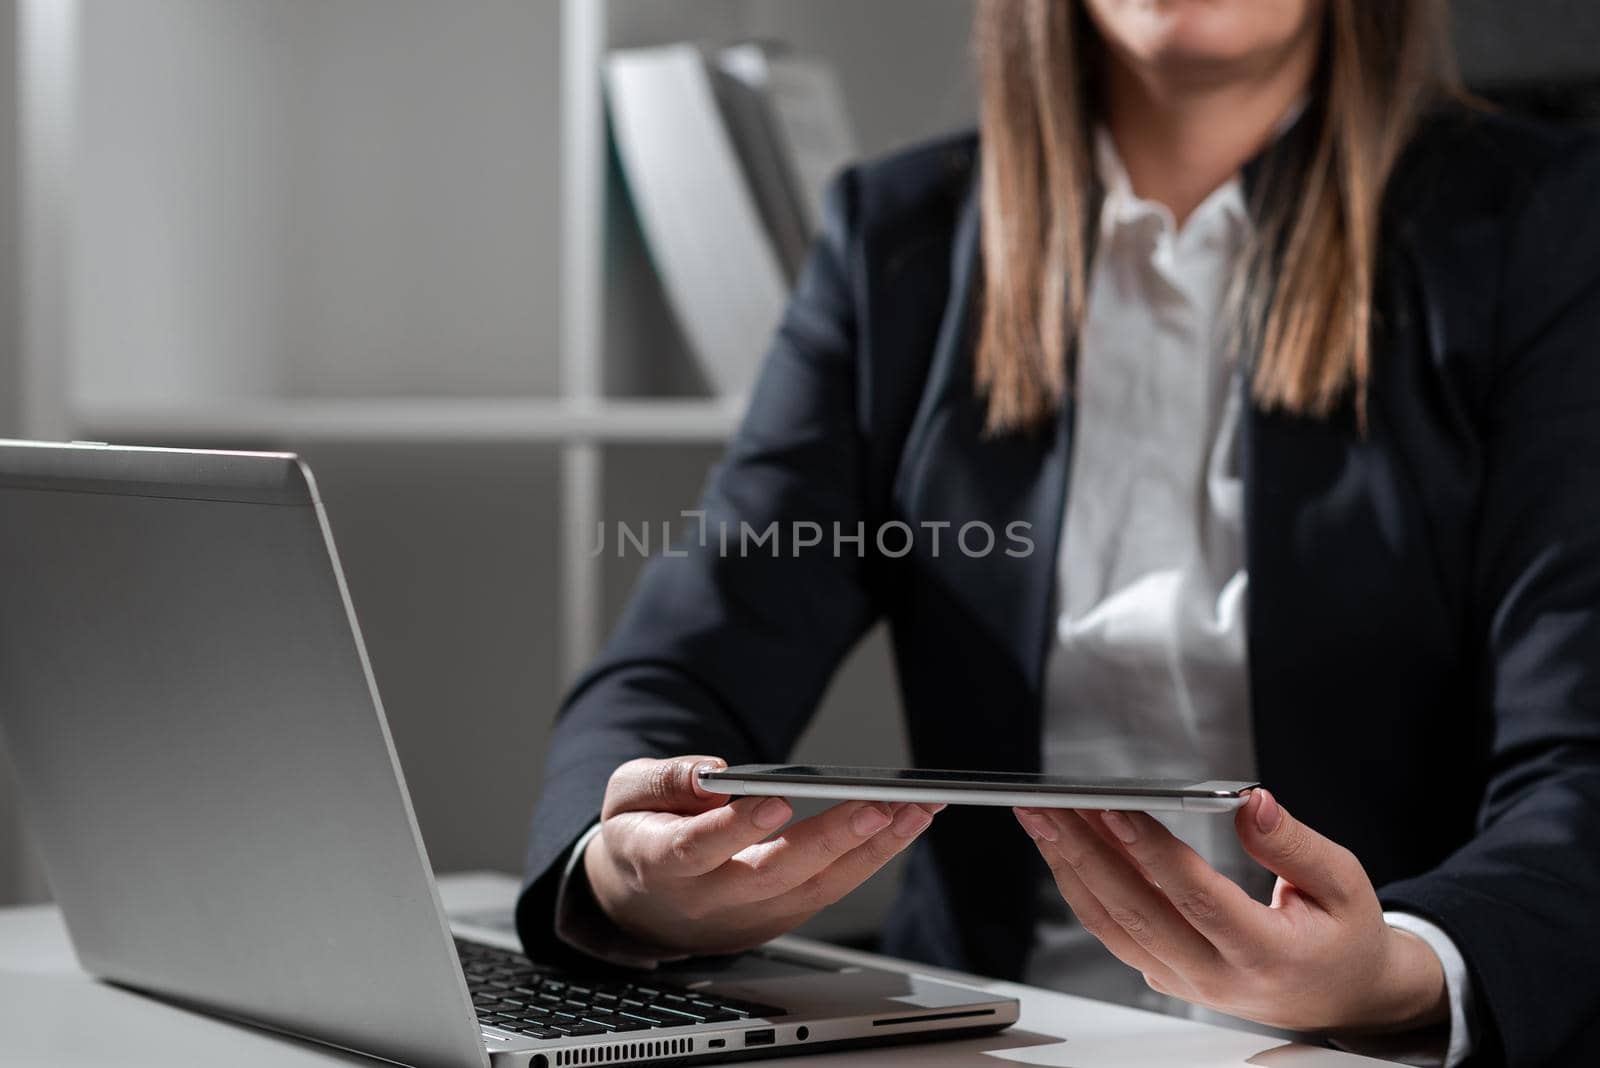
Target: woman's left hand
(1319, 958)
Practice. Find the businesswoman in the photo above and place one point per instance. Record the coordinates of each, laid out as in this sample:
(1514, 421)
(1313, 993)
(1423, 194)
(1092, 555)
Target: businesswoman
(1272, 371)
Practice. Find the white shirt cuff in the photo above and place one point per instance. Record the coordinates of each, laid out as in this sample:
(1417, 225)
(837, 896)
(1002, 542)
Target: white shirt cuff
(1458, 984)
(580, 923)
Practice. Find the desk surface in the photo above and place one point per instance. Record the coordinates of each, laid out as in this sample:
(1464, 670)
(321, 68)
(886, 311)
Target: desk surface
(52, 1014)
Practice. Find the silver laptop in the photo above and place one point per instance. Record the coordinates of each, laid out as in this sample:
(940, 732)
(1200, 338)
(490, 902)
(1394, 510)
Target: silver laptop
(205, 765)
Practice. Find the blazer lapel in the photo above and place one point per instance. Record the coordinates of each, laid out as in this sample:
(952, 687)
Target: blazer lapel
(1306, 483)
(1010, 488)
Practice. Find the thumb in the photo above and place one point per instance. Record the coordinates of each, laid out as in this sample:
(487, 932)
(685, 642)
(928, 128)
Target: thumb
(1317, 866)
(670, 785)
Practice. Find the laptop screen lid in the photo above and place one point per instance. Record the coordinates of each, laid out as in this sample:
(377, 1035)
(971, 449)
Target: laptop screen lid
(202, 754)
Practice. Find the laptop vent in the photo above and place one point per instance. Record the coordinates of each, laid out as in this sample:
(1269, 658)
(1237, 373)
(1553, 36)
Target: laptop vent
(624, 1051)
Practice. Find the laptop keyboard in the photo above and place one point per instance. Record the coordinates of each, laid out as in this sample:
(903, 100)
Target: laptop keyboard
(511, 993)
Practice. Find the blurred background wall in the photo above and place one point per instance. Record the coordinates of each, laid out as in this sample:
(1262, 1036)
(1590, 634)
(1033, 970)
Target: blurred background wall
(9, 327)
(20, 878)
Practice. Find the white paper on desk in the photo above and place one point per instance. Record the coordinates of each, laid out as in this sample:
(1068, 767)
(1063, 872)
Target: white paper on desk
(1189, 1046)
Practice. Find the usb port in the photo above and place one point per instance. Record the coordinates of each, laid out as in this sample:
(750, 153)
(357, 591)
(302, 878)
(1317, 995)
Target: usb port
(762, 1037)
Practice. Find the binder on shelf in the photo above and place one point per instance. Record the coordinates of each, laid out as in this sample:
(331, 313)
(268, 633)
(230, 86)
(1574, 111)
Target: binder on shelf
(804, 108)
(718, 165)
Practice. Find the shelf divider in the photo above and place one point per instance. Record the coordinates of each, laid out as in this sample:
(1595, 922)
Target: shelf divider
(555, 420)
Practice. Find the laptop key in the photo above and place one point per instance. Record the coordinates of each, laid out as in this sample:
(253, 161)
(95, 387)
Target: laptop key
(707, 1013)
(577, 1027)
(659, 1017)
(752, 1008)
(612, 1021)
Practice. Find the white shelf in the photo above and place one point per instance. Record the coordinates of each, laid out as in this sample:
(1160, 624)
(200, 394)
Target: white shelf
(202, 232)
(522, 420)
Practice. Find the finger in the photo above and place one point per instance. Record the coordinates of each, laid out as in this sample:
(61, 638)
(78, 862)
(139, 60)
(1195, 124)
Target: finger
(1115, 843)
(686, 846)
(856, 866)
(661, 786)
(768, 869)
(1092, 915)
(1320, 868)
(1132, 903)
(1212, 903)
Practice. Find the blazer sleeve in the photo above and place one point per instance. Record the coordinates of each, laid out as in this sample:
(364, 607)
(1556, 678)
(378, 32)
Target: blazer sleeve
(1520, 898)
(726, 648)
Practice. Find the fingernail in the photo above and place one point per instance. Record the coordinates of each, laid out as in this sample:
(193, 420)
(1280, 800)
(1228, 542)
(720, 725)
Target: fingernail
(1121, 826)
(869, 820)
(1039, 826)
(770, 813)
(911, 820)
(1268, 813)
(704, 765)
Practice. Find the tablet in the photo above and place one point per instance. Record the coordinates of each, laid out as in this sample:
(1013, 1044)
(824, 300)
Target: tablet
(1007, 788)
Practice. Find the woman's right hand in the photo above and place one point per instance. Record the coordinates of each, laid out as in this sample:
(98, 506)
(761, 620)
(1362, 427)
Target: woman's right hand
(700, 873)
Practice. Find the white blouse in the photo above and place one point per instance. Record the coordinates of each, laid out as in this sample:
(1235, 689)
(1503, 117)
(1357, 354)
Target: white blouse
(1148, 675)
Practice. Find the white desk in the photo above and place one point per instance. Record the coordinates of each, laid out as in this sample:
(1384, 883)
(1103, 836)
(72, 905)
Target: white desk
(51, 1014)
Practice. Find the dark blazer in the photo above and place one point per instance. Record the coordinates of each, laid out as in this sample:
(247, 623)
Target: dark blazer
(1424, 616)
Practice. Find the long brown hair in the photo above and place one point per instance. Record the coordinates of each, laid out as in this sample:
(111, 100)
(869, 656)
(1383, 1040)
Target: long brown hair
(1306, 292)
